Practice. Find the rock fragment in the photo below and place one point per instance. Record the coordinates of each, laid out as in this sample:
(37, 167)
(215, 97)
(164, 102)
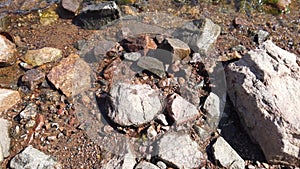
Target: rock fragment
(5, 139)
(71, 75)
(41, 56)
(180, 110)
(32, 78)
(134, 104)
(178, 48)
(225, 155)
(213, 107)
(29, 112)
(153, 65)
(179, 150)
(96, 15)
(259, 86)
(7, 52)
(8, 98)
(33, 158)
(71, 5)
(133, 56)
(146, 165)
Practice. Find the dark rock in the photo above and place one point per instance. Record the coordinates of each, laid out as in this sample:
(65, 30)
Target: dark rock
(32, 78)
(8, 98)
(7, 52)
(96, 16)
(263, 87)
(140, 43)
(134, 104)
(179, 150)
(153, 65)
(33, 158)
(71, 5)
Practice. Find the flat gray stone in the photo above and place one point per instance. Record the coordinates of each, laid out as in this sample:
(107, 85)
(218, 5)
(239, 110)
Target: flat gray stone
(8, 98)
(225, 155)
(146, 165)
(264, 88)
(71, 5)
(33, 158)
(134, 104)
(180, 150)
(153, 65)
(41, 56)
(5, 139)
(7, 52)
(180, 110)
(132, 56)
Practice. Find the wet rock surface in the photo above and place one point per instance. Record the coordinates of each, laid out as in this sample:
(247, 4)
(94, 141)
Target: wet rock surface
(258, 86)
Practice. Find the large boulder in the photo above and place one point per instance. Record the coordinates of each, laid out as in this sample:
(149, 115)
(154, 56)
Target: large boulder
(264, 88)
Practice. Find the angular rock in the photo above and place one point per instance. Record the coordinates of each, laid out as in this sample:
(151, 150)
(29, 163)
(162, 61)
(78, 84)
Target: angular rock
(41, 56)
(261, 36)
(199, 34)
(129, 160)
(29, 112)
(263, 87)
(179, 49)
(96, 15)
(32, 78)
(161, 165)
(33, 158)
(72, 75)
(146, 165)
(138, 43)
(101, 49)
(8, 98)
(71, 5)
(1, 155)
(134, 104)
(5, 139)
(180, 110)
(7, 52)
(133, 56)
(180, 150)
(153, 65)
(225, 155)
(213, 107)
(190, 95)
(161, 118)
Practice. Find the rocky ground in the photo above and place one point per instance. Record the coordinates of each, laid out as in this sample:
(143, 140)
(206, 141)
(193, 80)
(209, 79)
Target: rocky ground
(149, 84)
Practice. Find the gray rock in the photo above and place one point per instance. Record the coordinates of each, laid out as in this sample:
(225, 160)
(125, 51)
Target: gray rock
(29, 112)
(214, 107)
(178, 48)
(190, 95)
(72, 75)
(71, 5)
(96, 15)
(132, 56)
(199, 34)
(33, 158)
(153, 65)
(7, 52)
(151, 132)
(261, 36)
(225, 155)
(5, 139)
(1, 154)
(161, 165)
(180, 150)
(134, 104)
(263, 87)
(32, 78)
(180, 110)
(146, 165)
(8, 98)
(129, 160)
(41, 56)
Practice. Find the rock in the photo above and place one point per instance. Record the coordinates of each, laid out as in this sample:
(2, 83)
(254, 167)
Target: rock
(97, 15)
(259, 86)
(179, 49)
(180, 110)
(190, 95)
(151, 132)
(146, 165)
(226, 156)
(139, 43)
(29, 112)
(32, 78)
(71, 75)
(161, 118)
(7, 52)
(1, 155)
(99, 50)
(48, 17)
(33, 158)
(133, 56)
(129, 160)
(153, 65)
(71, 5)
(161, 165)
(42, 56)
(134, 104)
(8, 98)
(180, 150)
(214, 107)
(199, 34)
(5, 139)
(261, 36)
